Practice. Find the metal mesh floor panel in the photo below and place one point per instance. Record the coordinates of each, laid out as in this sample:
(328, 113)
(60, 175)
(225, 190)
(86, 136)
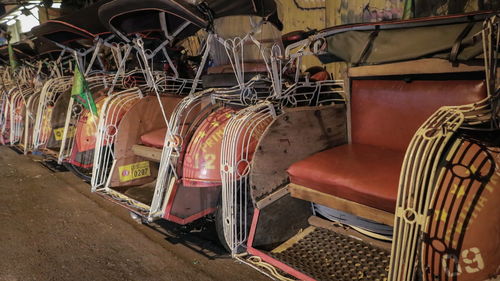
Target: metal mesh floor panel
(327, 255)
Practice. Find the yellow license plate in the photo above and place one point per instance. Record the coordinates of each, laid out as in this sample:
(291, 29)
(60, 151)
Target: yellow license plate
(58, 133)
(134, 171)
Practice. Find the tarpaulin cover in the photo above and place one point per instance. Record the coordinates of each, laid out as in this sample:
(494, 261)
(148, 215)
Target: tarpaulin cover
(386, 42)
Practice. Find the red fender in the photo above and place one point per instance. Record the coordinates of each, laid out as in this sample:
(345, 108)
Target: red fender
(462, 235)
(201, 166)
(202, 159)
(86, 129)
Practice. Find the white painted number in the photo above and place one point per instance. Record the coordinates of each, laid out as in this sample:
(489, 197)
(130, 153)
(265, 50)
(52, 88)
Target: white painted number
(473, 260)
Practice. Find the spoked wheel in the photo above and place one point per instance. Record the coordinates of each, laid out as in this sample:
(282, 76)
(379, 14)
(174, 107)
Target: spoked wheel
(84, 174)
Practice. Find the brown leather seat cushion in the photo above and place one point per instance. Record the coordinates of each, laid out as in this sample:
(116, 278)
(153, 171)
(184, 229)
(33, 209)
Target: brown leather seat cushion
(154, 138)
(365, 174)
(387, 113)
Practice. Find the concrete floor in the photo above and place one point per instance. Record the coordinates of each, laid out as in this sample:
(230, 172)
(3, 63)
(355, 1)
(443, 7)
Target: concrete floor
(53, 228)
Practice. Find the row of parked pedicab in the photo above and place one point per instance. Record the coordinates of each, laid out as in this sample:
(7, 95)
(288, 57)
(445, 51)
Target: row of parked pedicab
(181, 112)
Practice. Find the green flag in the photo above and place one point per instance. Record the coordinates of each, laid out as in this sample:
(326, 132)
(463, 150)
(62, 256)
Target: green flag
(407, 9)
(80, 91)
(12, 57)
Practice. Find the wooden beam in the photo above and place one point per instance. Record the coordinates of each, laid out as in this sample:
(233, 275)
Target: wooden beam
(421, 66)
(347, 231)
(308, 194)
(150, 153)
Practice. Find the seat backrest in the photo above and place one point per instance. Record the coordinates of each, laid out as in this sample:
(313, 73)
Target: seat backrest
(387, 113)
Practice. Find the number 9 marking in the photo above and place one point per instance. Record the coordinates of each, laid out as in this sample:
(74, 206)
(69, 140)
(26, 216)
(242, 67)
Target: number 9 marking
(475, 263)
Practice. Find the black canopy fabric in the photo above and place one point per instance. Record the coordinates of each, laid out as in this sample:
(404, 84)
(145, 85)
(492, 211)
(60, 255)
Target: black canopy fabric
(131, 16)
(44, 47)
(30, 48)
(22, 50)
(263, 8)
(448, 37)
(25, 47)
(83, 24)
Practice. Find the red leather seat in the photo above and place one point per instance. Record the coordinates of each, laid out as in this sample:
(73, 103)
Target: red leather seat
(385, 114)
(361, 173)
(154, 138)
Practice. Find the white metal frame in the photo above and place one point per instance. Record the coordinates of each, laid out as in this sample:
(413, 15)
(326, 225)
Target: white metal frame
(18, 102)
(104, 154)
(29, 120)
(73, 114)
(5, 115)
(51, 90)
(240, 136)
(174, 136)
(250, 123)
(106, 133)
(419, 171)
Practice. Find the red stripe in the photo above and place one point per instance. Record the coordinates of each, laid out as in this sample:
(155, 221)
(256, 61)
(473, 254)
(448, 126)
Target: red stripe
(268, 259)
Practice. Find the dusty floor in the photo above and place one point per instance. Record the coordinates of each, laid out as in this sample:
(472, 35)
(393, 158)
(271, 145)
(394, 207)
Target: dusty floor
(53, 228)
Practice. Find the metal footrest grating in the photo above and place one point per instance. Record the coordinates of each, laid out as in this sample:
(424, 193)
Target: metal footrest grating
(326, 255)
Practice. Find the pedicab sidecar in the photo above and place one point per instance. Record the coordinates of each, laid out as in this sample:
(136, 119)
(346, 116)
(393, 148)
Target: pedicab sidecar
(55, 126)
(396, 183)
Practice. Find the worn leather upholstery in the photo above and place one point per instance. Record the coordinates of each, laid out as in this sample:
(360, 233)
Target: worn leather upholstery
(154, 138)
(385, 115)
(358, 172)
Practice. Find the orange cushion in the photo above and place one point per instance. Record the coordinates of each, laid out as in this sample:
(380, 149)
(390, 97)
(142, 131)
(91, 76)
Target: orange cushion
(154, 138)
(365, 174)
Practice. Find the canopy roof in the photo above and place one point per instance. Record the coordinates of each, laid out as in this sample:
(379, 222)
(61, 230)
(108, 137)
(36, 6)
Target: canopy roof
(83, 24)
(450, 37)
(22, 49)
(144, 17)
(45, 47)
(263, 8)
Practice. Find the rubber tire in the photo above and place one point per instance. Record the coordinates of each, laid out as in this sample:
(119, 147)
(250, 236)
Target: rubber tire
(219, 227)
(75, 170)
(219, 222)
